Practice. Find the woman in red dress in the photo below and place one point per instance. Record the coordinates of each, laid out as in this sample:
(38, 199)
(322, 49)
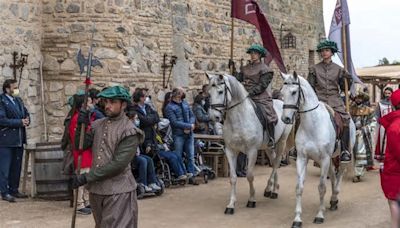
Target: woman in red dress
(390, 172)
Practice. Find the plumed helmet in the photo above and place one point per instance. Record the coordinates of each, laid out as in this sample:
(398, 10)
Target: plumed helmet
(395, 98)
(327, 44)
(115, 92)
(257, 48)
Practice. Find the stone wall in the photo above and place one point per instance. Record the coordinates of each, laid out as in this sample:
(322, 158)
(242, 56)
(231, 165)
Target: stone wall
(132, 37)
(21, 31)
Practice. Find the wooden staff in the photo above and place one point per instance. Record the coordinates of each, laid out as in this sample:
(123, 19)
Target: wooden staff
(232, 33)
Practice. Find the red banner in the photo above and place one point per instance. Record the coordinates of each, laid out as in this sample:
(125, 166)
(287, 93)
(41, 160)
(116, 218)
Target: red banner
(249, 11)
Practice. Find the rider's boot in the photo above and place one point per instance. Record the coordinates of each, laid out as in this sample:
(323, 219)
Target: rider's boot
(345, 155)
(271, 135)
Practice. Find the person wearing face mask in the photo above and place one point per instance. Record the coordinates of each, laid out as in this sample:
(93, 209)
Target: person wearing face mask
(68, 145)
(182, 122)
(142, 163)
(14, 118)
(202, 117)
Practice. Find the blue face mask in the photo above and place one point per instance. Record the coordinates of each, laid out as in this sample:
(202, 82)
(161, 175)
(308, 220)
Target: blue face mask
(137, 122)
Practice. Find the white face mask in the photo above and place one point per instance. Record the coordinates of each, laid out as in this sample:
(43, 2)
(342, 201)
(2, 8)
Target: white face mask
(203, 102)
(15, 93)
(147, 100)
(137, 122)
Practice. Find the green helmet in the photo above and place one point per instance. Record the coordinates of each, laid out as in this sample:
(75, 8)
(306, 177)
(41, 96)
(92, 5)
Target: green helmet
(257, 48)
(115, 92)
(327, 44)
(70, 101)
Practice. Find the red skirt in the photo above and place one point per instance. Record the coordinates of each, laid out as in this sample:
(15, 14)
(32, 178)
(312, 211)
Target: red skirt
(390, 186)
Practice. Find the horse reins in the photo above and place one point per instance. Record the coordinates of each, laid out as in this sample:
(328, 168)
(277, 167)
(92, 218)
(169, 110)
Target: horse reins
(225, 106)
(297, 106)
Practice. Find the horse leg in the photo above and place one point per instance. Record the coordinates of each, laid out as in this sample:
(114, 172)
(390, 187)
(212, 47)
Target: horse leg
(325, 163)
(332, 177)
(270, 184)
(252, 157)
(339, 177)
(301, 165)
(280, 148)
(232, 157)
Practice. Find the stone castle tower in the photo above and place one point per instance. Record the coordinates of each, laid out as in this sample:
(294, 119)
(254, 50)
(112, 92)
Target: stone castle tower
(131, 39)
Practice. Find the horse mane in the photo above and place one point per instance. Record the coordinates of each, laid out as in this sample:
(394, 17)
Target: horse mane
(237, 89)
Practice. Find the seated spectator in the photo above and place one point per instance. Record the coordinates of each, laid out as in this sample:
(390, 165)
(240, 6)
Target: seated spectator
(164, 150)
(202, 117)
(144, 164)
(182, 123)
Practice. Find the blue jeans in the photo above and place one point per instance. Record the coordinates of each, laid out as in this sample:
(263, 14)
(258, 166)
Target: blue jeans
(185, 144)
(174, 161)
(10, 169)
(145, 169)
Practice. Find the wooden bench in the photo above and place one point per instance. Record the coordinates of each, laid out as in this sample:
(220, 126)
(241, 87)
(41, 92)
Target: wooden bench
(215, 153)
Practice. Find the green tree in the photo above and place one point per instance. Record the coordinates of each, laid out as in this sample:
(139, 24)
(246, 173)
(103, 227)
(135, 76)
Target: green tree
(384, 62)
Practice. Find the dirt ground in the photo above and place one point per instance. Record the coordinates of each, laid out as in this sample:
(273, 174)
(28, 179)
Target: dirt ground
(360, 205)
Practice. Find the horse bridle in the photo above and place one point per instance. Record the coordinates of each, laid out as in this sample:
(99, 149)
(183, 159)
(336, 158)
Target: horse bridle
(224, 105)
(297, 105)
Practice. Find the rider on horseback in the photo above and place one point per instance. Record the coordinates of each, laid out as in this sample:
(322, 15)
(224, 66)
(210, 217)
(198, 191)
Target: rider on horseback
(326, 78)
(256, 76)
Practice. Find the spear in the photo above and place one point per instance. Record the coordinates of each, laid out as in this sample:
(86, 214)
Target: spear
(82, 62)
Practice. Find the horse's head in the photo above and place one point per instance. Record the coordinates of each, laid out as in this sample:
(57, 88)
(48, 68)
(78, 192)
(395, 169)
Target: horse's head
(291, 91)
(219, 96)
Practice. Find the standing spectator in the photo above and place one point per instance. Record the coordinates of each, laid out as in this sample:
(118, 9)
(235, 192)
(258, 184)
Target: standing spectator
(202, 117)
(96, 105)
(71, 123)
(114, 140)
(182, 122)
(14, 118)
(383, 108)
(167, 99)
(390, 171)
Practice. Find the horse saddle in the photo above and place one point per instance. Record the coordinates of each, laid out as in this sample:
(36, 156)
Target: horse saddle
(260, 114)
(337, 121)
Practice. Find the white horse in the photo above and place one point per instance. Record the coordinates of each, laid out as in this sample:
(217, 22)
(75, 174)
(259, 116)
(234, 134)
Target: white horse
(244, 133)
(315, 139)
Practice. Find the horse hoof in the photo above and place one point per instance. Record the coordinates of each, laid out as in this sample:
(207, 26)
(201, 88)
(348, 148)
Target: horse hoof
(356, 179)
(251, 204)
(334, 205)
(267, 194)
(297, 225)
(274, 195)
(318, 220)
(229, 211)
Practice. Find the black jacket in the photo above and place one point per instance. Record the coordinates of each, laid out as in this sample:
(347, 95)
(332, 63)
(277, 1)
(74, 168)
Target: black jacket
(148, 121)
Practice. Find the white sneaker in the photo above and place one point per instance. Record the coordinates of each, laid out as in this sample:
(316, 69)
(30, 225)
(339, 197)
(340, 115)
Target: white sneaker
(189, 175)
(155, 187)
(147, 188)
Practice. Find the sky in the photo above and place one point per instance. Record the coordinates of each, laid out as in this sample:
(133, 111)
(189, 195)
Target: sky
(374, 30)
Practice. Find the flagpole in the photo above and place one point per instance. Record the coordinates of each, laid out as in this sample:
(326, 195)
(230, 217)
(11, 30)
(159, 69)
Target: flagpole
(345, 63)
(232, 33)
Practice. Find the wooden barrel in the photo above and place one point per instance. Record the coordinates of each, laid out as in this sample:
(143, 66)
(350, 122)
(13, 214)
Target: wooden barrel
(49, 180)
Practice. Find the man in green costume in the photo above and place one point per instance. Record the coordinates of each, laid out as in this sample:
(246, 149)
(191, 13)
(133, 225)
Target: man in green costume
(110, 182)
